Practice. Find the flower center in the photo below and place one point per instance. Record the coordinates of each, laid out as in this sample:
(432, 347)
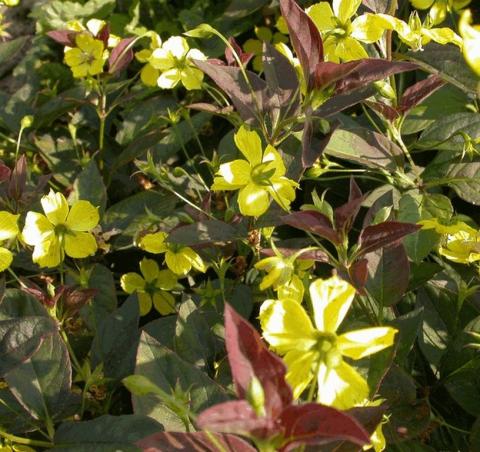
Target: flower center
(327, 347)
(262, 173)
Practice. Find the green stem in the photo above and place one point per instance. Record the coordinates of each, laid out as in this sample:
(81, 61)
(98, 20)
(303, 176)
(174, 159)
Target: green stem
(26, 441)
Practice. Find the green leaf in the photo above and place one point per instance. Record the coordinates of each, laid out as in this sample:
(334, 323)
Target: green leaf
(116, 341)
(443, 134)
(415, 206)
(389, 271)
(42, 383)
(17, 304)
(207, 231)
(21, 338)
(163, 330)
(163, 143)
(449, 63)
(8, 52)
(136, 212)
(165, 369)
(194, 340)
(105, 300)
(89, 186)
(14, 418)
(55, 14)
(367, 148)
(105, 433)
(408, 326)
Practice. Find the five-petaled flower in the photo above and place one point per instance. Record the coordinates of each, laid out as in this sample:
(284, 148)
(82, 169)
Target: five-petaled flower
(174, 61)
(320, 352)
(151, 287)
(259, 177)
(62, 230)
(88, 57)
(342, 36)
(8, 230)
(179, 259)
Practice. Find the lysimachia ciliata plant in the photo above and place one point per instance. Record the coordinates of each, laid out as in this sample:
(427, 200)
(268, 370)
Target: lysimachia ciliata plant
(238, 226)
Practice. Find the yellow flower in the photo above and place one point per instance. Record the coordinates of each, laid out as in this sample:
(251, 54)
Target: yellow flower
(62, 230)
(149, 75)
(415, 34)
(471, 41)
(179, 259)
(259, 177)
(87, 58)
(8, 230)
(460, 242)
(151, 287)
(255, 46)
(342, 36)
(174, 61)
(439, 8)
(319, 352)
(10, 2)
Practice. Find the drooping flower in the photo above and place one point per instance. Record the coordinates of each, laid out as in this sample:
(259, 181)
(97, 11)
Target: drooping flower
(459, 243)
(342, 36)
(62, 230)
(88, 57)
(416, 34)
(320, 352)
(440, 8)
(471, 41)
(151, 287)
(149, 74)
(179, 259)
(174, 61)
(258, 178)
(8, 230)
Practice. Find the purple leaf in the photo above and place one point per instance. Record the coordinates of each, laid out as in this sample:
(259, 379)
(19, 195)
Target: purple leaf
(232, 81)
(18, 178)
(388, 233)
(314, 255)
(305, 38)
(236, 416)
(358, 273)
(371, 70)
(385, 110)
(314, 222)
(419, 92)
(313, 423)
(345, 214)
(312, 148)
(192, 442)
(249, 357)
(340, 102)
(64, 37)
(327, 72)
(104, 34)
(5, 172)
(244, 56)
(121, 55)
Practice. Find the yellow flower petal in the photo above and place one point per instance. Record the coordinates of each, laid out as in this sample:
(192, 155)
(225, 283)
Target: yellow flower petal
(149, 75)
(154, 243)
(166, 280)
(74, 57)
(286, 326)
(36, 228)
(8, 225)
(345, 9)
(300, 365)
(331, 300)
(179, 263)
(195, 259)
(282, 192)
(177, 46)
(293, 290)
(360, 343)
(83, 217)
(55, 207)
(164, 302)
(422, 4)
(349, 49)
(249, 144)
(272, 155)
(471, 41)
(48, 253)
(144, 303)
(80, 244)
(6, 258)
(253, 200)
(341, 387)
(149, 269)
(367, 28)
(322, 16)
(236, 173)
(169, 79)
(192, 78)
(131, 282)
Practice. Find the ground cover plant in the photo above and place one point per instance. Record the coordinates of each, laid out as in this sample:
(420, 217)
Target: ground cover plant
(239, 225)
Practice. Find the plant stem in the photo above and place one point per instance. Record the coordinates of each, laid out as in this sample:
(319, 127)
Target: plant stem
(26, 441)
